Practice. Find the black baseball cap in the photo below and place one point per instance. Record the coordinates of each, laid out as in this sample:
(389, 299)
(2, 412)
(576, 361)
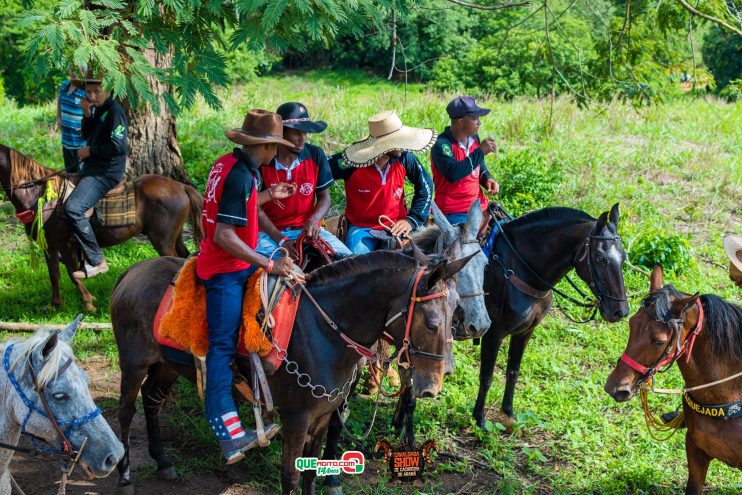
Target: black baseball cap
(465, 106)
(295, 116)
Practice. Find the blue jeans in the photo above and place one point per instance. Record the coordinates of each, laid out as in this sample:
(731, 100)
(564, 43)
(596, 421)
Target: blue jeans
(224, 295)
(87, 193)
(360, 241)
(266, 245)
(456, 218)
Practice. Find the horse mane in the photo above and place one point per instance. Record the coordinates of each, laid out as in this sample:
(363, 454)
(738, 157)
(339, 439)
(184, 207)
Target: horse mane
(426, 238)
(24, 169)
(26, 347)
(360, 265)
(553, 214)
(722, 320)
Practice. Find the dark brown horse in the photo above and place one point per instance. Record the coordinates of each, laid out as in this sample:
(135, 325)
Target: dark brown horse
(703, 334)
(528, 258)
(163, 206)
(360, 294)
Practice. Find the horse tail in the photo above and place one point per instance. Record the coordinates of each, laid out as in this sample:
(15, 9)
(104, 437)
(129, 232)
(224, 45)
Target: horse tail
(194, 213)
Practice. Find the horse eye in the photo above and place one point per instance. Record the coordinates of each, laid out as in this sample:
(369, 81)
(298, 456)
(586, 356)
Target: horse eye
(659, 343)
(602, 260)
(60, 396)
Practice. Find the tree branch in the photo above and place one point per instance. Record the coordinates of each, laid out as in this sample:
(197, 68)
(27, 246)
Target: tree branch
(698, 13)
(490, 7)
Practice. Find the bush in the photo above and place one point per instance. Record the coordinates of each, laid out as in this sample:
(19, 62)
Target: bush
(722, 54)
(733, 91)
(656, 245)
(528, 181)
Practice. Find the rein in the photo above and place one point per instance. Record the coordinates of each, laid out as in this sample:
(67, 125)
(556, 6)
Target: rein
(321, 245)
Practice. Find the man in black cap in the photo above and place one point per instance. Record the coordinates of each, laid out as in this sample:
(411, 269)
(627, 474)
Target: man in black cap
(105, 128)
(457, 161)
(305, 167)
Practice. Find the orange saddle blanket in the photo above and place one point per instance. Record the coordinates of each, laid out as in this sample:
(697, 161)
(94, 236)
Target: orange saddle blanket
(180, 321)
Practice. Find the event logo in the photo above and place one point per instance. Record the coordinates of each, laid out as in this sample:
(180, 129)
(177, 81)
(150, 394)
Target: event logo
(306, 188)
(398, 193)
(351, 462)
(213, 181)
(407, 463)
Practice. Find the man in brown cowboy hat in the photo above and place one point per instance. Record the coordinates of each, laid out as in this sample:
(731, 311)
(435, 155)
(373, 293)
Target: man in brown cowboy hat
(227, 257)
(105, 129)
(305, 166)
(733, 248)
(374, 171)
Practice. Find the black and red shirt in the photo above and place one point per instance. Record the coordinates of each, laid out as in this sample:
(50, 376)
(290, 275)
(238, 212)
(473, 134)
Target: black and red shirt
(369, 192)
(310, 172)
(231, 197)
(458, 172)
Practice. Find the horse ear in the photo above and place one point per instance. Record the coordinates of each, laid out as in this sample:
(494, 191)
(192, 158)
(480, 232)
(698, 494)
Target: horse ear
(601, 223)
(688, 303)
(48, 346)
(418, 254)
(656, 279)
(614, 215)
(473, 220)
(436, 273)
(68, 333)
(449, 233)
(455, 267)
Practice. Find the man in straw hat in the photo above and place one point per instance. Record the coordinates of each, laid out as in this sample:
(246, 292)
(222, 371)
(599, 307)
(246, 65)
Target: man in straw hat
(105, 129)
(374, 171)
(733, 248)
(457, 161)
(305, 167)
(227, 258)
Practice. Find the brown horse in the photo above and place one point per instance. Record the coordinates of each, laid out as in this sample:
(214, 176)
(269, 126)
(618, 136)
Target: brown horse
(704, 336)
(359, 294)
(163, 206)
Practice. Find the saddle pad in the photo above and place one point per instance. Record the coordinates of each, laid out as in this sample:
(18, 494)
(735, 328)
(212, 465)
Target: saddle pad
(116, 209)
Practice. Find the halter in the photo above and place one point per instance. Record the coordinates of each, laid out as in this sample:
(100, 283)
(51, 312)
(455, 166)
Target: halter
(472, 294)
(67, 449)
(666, 359)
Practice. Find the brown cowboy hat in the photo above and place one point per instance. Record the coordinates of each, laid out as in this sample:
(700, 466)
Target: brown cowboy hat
(86, 77)
(259, 127)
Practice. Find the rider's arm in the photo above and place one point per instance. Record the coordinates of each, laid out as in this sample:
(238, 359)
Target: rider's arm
(420, 207)
(226, 238)
(339, 170)
(266, 225)
(443, 160)
(324, 181)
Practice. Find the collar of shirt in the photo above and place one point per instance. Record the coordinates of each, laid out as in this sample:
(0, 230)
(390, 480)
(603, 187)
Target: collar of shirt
(242, 156)
(467, 145)
(105, 106)
(281, 166)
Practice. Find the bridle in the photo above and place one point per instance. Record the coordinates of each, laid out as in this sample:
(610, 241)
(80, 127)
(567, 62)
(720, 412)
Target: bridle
(593, 282)
(67, 450)
(668, 357)
(472, 294)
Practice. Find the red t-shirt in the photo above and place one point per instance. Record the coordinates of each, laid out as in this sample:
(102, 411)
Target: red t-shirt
(369, 194)
(231, 197)
(458, 196)
(311, 175)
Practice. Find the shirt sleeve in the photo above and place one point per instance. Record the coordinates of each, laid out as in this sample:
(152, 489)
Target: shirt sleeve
(324, 174)
(339, 170)
(118, 145)
(233, 202)
(420, 207)
(452, 169)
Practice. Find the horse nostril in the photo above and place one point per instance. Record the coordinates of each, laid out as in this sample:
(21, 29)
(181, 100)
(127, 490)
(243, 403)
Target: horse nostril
(427, 394)
(109, 463)
(621, 394)
(621, 313)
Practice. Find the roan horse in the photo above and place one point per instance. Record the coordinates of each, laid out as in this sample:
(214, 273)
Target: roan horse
(704, 336)
(45, 396)
(530, 256)
(163, 205)
(359, 294)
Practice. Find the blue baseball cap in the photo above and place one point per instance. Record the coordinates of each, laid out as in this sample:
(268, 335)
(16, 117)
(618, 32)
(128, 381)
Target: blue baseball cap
(465, 106)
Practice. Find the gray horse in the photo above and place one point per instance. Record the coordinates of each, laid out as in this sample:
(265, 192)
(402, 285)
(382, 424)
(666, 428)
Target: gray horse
(43, 366)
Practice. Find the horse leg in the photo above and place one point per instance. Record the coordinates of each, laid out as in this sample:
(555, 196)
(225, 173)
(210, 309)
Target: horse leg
(515, 355)
(294, 435)
(404, 417)
(131, 382)
(491, 342)
(52, 265)
(313, 448)
(69, 258)
(181, 248)
(698, 464)
(334, 430)
(154, 394)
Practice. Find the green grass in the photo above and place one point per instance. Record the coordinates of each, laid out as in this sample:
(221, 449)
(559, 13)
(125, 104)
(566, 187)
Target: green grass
(675, 169)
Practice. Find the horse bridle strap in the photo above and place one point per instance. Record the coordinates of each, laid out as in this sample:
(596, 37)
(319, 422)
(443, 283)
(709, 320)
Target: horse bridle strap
(669, 357)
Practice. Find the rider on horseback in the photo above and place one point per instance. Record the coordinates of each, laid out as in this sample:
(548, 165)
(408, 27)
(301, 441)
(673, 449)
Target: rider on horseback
(105, 128)
(457, 161)
(374, 172)
(305, 167)
(227, 258)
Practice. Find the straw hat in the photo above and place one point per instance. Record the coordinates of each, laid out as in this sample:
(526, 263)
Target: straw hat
(386, 133)
(733, 247)
(259, 127)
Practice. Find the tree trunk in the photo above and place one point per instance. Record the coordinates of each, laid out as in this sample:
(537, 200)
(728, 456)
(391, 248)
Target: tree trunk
(153, 141)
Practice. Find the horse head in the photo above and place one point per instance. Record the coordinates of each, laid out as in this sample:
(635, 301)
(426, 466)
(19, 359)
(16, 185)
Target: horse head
(50, 400)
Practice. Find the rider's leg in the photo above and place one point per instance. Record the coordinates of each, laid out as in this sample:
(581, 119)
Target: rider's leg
(335, 243)
(360, 241)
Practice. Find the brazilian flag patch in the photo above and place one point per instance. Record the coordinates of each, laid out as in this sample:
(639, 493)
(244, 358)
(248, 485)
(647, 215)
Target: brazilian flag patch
(342, 165)
(446, 149)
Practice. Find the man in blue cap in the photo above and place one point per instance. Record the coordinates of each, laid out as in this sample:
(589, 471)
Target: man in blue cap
(457, 161)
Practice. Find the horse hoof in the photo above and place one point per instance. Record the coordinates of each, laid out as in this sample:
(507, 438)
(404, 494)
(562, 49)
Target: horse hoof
(125, 489)
(168, 473)
(90, 308)
(393, 378)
